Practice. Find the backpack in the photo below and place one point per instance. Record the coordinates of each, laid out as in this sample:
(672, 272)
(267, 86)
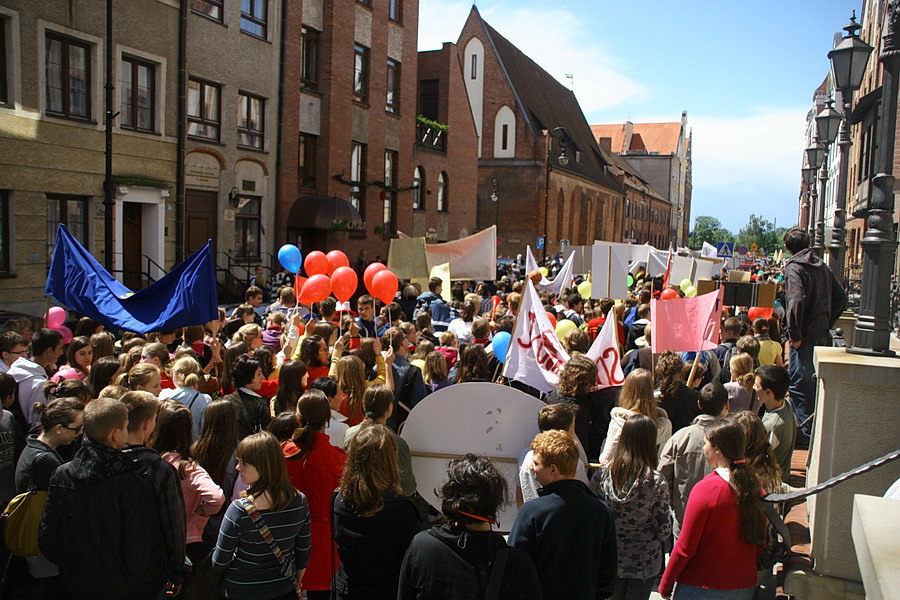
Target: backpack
(725, 373)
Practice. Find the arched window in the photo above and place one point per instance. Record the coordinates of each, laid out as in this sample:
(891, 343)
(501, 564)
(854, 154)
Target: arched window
(418, 189)
(442, 190)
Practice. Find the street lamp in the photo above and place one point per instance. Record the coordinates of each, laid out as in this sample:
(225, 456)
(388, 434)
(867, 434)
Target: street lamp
(809, 204)
(848, 65)
(563, 139)
(872, 334)
(495, 198)
(815, 155)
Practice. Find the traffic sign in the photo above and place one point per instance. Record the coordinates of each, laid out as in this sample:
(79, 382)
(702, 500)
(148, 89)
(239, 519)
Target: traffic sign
(753, 247)
(742, 250)
(725, 249)
(540, 242)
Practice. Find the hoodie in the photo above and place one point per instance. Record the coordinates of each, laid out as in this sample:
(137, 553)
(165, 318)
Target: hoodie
(101, 526)
(643, 521)
(617, 418)
(31, 378)
(815, 298)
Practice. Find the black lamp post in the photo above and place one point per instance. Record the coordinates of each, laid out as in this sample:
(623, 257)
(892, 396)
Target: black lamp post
(809, 204)
(562, 160)
(495, 198)
(872, 334)
(815, 156)
(848, 65)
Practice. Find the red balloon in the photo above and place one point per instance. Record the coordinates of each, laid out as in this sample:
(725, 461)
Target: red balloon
(758, 311)
(343, 283)
(337, 259)
(316, 263)
(668, 294)
(552, 318)
(299, 280)
(315, 289)
(384, 286)
(370, 273)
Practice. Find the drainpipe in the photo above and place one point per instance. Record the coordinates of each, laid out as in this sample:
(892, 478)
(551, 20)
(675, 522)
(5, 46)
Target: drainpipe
(108, 186)
(280, 134)
(181, 133)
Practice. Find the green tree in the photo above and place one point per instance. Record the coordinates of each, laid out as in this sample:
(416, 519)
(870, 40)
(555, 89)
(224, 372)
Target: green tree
(761, 232)
(708, 229)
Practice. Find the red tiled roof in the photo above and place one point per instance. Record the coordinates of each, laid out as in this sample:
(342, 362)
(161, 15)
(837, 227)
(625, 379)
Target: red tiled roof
(661, 138)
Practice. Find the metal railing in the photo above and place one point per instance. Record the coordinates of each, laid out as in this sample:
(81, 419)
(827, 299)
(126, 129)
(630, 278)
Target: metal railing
(150, 271)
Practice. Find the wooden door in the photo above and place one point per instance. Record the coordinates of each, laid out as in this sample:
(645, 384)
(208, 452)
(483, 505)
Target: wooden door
(201, 217)
(132, 246)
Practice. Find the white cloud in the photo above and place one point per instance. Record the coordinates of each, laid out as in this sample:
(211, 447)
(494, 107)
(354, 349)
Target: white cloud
(568, 47)
(748, 164)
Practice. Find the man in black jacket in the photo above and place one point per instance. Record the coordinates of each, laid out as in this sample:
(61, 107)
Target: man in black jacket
(569, 533)
(815, 300)
(100, 524)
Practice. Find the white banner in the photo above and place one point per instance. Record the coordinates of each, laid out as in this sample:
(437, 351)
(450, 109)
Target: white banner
(605, 352)
(536, 357)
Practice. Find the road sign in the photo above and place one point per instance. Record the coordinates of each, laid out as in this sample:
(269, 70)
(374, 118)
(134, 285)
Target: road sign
(725, 249)
(540, 242)
(753, 247)
(742, 250)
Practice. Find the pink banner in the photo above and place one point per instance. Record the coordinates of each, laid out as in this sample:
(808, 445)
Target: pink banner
(686, 324)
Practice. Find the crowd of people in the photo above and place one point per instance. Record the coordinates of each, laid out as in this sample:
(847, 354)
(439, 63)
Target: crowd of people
(258, 456)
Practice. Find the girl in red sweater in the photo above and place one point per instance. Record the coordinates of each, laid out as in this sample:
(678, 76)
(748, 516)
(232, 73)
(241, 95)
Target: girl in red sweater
(724, 525)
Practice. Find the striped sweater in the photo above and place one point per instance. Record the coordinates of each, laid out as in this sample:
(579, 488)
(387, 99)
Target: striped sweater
(251, 569)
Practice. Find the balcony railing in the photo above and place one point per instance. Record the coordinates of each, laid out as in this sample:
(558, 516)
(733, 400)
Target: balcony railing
(428, 136)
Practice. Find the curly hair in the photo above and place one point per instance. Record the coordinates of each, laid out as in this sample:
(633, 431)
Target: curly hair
(668, 374)
(578, 376)
(474, 486)
(371, 470)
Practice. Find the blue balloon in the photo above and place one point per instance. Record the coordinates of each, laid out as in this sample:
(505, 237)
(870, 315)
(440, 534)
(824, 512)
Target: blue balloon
(500, 344)
(290, 258)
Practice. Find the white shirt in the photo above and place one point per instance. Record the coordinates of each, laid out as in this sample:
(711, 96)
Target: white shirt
(336, 428)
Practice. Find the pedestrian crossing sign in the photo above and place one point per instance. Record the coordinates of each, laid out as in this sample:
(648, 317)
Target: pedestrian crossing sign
(725, 249)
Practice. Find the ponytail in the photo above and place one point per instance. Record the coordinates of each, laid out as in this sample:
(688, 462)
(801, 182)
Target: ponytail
(313, 413)
(728, 437)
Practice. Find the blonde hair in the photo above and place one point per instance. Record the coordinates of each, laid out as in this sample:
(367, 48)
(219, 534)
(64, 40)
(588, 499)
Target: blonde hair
(186, 372)
(742, 370)
(247, 333)
(351, 375)
(637, 394)
(139, 374)
(435, 370)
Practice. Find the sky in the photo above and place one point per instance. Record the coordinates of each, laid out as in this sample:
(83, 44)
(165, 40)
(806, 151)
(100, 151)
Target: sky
(744, 72)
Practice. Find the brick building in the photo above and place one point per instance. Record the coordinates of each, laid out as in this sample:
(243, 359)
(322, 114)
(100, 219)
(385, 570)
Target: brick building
(661, 153)
(348, 124)
(445, 151)
(52, 133)
(536, 153)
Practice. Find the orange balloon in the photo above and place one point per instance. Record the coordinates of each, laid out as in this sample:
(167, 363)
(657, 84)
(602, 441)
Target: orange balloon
(316, 263)
(343, 283)
(758, 311)
(369, 273)
(668, 294)
(384, 286)
(315, 289)
(337, 259)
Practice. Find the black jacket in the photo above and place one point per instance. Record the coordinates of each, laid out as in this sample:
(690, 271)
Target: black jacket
(815, 298)
(252, 412)
(570, 535)
(592, 418)
(450, 563)
(100, 526)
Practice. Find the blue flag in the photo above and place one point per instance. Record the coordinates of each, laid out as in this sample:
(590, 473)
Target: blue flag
(186, 296)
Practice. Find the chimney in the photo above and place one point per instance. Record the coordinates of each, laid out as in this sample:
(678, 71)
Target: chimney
(683, 118)
(605, 143)
(629, 132)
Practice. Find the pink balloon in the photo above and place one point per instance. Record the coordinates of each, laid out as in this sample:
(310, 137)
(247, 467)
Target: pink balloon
(337, 259)
(343, 283)
(66, 333)
(384, 286)
(55, 317)
(315, 289)
(370, 272)
(316, 263)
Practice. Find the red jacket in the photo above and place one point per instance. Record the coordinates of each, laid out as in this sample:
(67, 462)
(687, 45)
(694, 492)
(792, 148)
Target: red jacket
(317, 475)
(710, 552)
